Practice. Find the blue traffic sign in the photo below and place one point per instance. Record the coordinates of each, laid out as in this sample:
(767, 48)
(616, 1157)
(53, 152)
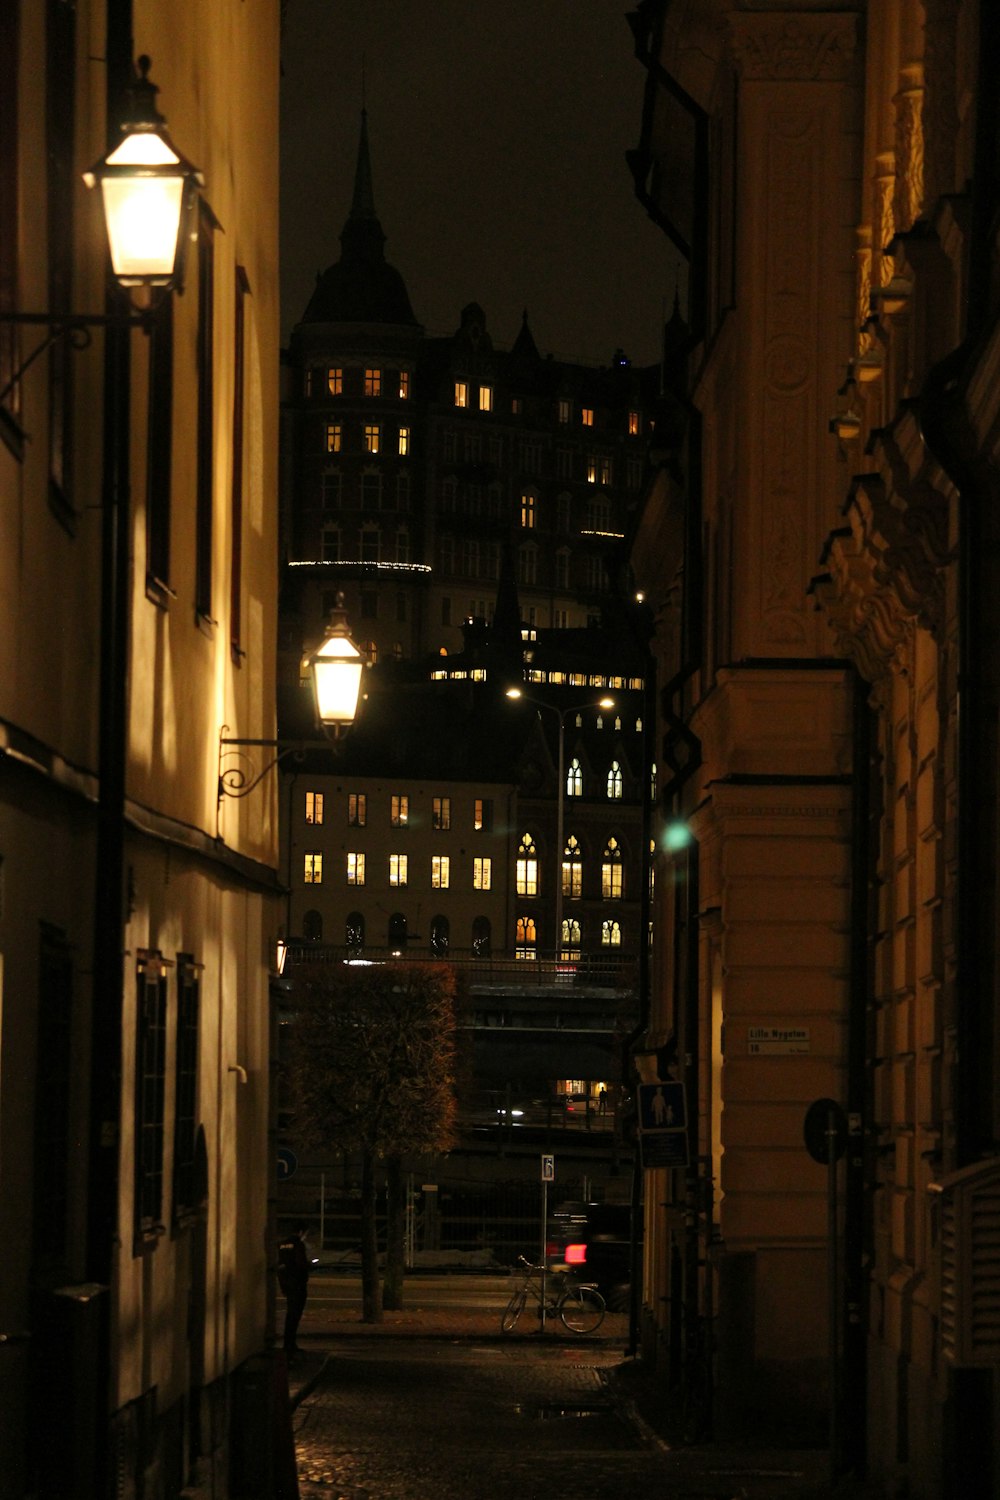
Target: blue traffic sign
(287, 1162)
(662, 1107)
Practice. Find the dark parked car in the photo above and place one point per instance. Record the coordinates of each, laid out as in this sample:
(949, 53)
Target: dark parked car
(594, 1241)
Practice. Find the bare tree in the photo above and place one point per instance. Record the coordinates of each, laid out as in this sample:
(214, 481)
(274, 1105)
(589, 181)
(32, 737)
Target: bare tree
(370, 1068)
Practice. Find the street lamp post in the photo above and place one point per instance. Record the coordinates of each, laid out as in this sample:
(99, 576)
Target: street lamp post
(561, 715)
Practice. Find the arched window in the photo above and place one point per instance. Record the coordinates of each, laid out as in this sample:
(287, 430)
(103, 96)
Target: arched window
(574, 779)
(571, 939)
(312, 927)
(611, 933)
(397, 932)
(527, 867)
(439, 936)
(615, 780)
(354, 933)
(527, 938)
(652, 782)
(481, 937)
(611, 871)
(572, 870)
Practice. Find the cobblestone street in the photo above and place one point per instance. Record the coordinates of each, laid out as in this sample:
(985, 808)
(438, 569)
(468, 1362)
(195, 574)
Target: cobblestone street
(421, 1419)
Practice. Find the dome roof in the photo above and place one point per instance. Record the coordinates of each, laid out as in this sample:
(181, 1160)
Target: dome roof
(361, 287)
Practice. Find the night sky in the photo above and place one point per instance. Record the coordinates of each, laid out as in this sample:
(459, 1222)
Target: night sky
(498, 130)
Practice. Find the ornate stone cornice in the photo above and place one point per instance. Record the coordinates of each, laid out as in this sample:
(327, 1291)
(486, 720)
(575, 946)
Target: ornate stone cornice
(806, 46)
(884, 573)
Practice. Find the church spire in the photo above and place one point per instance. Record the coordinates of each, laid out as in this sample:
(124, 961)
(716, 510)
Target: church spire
(361, 237)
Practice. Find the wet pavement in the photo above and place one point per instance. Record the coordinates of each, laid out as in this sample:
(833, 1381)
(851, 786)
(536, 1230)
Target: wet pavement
(432, 1406)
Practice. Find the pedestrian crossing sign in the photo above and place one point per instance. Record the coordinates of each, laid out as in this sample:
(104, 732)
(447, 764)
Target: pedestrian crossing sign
(662, 1107)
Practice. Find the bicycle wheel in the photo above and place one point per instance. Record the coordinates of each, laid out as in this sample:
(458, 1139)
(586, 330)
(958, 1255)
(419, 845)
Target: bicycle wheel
(581, 1309)
(513, 1310)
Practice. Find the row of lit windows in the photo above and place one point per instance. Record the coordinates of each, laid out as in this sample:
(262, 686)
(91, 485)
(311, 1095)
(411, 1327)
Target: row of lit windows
(570, 946)
(333, 438)
(399, 870)
(526, 940)
(612, 879)
(464, 398)
(334, 380)
(399, 811)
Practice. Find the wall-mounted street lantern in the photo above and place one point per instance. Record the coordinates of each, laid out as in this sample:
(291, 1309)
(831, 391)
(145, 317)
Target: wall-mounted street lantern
(146, 190)
(335, 669)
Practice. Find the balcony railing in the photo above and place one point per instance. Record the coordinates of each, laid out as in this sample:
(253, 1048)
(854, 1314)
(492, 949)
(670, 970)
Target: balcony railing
(601, 969)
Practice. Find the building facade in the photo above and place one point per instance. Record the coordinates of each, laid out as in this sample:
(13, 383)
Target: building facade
(830, 439)
(138, 913)
(413, 466)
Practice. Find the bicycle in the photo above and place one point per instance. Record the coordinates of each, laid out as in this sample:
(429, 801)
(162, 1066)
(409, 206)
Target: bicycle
(580, 1307)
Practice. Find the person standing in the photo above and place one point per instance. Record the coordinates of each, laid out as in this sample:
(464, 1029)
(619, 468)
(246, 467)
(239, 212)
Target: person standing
(293, 1279)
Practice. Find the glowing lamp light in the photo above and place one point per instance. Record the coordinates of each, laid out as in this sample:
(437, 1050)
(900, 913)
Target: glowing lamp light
(146, 186)
(335, 668)
(676, 836)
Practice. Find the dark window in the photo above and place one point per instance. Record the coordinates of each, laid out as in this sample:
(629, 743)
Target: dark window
(397, 931)
(186, 1083)
(161, 414)
(481, 937)
(150, 1054)
(312, 927)
(439, 936)
(52, 1085)
(354, 933)
(236, 571)
(206, 339)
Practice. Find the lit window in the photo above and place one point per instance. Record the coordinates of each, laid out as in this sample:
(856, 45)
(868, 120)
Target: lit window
(333, 437)
(335, 381)
(314, 807)
(527, 867)
(574, 779)
(527, 938)
(516, 406)
(357, 809)
(482, 814)
(633, 424)
(404, 441)
(611, 934)
(373, 435)
(604, 470)
(615, 780)
(565, 410)
(440, 872)
(572, 937)
(611, 872)
(355, 869)
(587, 416)
(485, 398)
(441, 812)
(400, 813)
(397, 869)
(312, 872)
(404, 385)
(482, 874)
(572, 870)
(528, 511)
(461, 393)
(591, 468)
(373, 382)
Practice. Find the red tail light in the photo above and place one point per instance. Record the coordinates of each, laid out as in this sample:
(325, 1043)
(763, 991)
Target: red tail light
(576, 1255)
(553, 1251)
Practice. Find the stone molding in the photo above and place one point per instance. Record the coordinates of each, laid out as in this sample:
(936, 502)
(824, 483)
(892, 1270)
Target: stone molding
(885, 575)
(804, 47)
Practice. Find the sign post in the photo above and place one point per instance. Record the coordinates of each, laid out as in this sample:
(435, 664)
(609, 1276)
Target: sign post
(663, 1132)
(548, 1175)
